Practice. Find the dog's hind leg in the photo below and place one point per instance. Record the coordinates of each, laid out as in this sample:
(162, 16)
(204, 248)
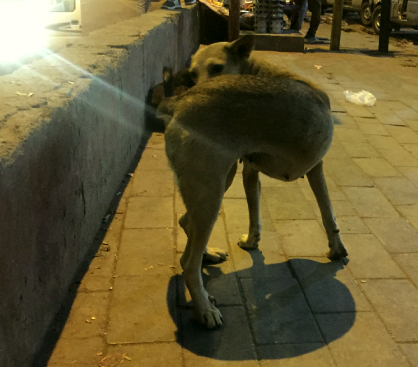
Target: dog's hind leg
(319, 187)
(252, 188)
(213, 254)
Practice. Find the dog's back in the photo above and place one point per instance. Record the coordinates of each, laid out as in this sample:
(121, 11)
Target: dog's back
(249, 114)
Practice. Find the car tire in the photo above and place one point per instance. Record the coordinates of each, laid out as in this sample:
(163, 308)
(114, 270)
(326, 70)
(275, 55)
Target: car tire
(366, 14)
(376, 19)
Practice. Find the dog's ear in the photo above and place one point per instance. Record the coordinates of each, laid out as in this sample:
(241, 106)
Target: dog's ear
(184, 78)
(168, 82)
(242, 47)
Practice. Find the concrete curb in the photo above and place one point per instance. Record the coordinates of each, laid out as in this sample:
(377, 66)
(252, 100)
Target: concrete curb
(63, 153)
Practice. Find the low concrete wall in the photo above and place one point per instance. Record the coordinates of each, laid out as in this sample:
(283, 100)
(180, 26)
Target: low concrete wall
(64, 152)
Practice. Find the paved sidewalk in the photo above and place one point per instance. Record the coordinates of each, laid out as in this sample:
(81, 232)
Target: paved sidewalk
(284, 304)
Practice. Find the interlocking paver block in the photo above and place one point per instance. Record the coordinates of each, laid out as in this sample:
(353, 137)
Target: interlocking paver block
(266, 261)
(409, 264)
(399, 157)
(383, 142)
(410, 213)
(411, 173)
(87, 305)
(153, 183)
(76, 352)
(411, 352)
(396, 234)
(346, 173)
(236, 190)
(399, 191)
(369, 202)
(403, 135)
(149, 212)
(366, 342)
(230, 345)
(357, 149)
(372, 129)
(369, 259)
(149, 355)
(140, 310)
(377, 167)
(142, 248)
(152, 160)
(287, 203)
(346, 134)
(302, 237)
(278, 311)
(396, 301)
(328, 286)
(351, 224)
(295, 355)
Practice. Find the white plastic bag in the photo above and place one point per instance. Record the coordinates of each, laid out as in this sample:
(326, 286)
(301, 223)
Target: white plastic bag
(362, 98)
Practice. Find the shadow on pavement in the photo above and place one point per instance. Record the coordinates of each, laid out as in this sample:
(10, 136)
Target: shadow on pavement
(265, 305)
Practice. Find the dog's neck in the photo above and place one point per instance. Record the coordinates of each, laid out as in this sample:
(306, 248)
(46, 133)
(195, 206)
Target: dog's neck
(259, 67)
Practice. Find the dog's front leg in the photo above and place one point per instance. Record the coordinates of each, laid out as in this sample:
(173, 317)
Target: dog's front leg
(252, 188)
(319, 187)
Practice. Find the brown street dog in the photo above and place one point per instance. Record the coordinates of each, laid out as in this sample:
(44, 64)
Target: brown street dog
(276, 124)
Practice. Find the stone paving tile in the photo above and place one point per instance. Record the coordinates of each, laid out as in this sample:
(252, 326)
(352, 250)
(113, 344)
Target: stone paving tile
(328, 286)
(358, 111)
(334, 191)
(156, 141)
(409, 264)
(302, 237)
(153, 183)
(366, 342)
(80, 323)
(411, 173)
(396, 301)
(236, 190)
(377, 167)
(407, 114)
(369, 202)
(295, 355)
(403, 135)
(369, 259)
(287, 203)
(344, 134)
(278, 311)
(383, 142)
(411, 148)
(413, 124)
(399, 157)
(76, 352)
(265, 261)
(351, 175)
(399, 191)
(351, 224)
(410, 213)
(359, 149)
(390, 119)
(396, 234)
(153, 160)
(149, 355)
(142, 304)
(336, 151)
(142, 248)
(237, 217)
(395, 105)
(149, 212)
(411, 352)
(372, 129)
(220, 281)
(230, 345)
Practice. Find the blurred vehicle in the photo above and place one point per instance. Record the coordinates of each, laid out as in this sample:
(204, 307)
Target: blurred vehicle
(403, 13)
(64, 13)
(360, 6)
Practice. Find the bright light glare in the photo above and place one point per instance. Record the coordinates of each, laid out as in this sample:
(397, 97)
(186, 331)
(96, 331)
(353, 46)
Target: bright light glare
(22, 30)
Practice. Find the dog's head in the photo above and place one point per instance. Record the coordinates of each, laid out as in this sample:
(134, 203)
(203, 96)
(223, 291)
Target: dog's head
(221, 58)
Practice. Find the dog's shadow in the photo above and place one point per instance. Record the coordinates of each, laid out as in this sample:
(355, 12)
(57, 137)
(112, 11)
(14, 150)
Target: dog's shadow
(297, 305)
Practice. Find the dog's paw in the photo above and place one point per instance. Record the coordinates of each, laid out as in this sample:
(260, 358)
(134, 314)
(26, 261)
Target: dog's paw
(214, 255)
(338, 253)
(211, 319)
(248, 243)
